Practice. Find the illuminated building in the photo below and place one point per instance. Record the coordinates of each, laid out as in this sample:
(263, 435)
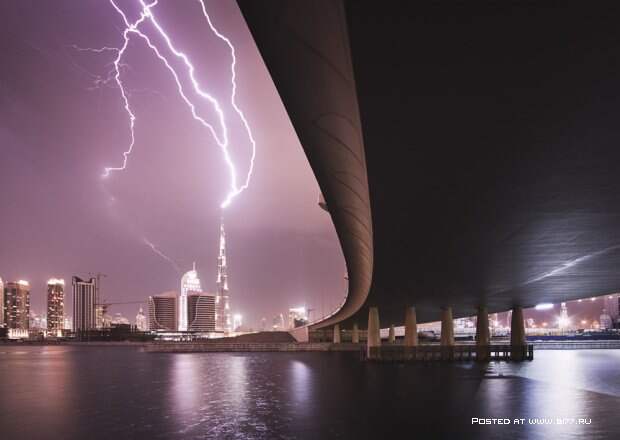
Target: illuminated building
(612, 305)
(605, 320)
(563, 321)
(201, 312)
(55, 306)
(223, 320)
(85, 298)
(119, 319)
(237, 322)
(297, 317)
(37, 323)
(163, 312)
(278, 322)
(17, 307)
(1, 303)
(189, 283)
(141, 322)
(103, 318)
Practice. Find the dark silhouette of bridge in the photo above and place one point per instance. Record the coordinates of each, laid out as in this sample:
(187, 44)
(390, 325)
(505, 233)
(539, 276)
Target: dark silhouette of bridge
(467, 152)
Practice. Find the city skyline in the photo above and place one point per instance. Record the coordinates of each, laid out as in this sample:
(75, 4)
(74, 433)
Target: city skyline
(326, 219)
(585, 313)
(170, 194)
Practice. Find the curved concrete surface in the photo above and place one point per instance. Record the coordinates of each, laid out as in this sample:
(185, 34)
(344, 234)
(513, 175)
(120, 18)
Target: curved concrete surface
(292, 40)
(491, 137)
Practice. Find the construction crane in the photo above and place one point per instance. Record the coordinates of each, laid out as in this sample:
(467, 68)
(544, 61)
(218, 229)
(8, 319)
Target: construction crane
(107, 303)
(98, 276)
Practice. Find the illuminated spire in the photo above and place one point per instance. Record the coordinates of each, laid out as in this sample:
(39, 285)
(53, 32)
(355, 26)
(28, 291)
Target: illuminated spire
(222, 299)
(189, 283)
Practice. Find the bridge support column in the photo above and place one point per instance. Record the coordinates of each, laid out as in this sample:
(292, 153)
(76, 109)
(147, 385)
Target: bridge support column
(447, 327)
(447, 333)
(337, 334)
(411, 327)
(374, 336)
(483, 338)
(355, 336)
(517, 335)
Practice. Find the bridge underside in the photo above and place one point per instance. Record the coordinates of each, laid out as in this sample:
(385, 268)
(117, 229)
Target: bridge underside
(491, 134)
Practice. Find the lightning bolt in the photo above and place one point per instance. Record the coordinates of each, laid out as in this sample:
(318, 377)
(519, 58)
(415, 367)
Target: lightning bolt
(222, 139)
(161, 254)
(233, 102)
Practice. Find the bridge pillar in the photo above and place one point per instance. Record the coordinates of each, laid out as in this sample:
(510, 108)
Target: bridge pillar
(337, 334)
(517, 335)
(483, 338)
(447, 334)
(355, 336)
(374, 335)
(411, 327)
(392, 334)
(447, 327)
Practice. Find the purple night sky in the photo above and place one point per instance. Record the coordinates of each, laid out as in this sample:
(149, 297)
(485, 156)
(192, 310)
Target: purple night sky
(58, 131)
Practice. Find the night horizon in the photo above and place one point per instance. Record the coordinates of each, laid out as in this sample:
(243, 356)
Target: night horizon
(176, 178)
(301, 220)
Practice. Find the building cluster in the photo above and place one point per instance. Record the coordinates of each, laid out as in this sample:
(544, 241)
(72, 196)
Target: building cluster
(16, 319)
(190, 312)
(193, 311)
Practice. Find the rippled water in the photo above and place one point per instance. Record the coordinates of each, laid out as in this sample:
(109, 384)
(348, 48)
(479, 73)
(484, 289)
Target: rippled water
(115, 392)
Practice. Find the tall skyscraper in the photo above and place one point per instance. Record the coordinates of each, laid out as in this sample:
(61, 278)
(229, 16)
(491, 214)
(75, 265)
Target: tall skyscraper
(1, 303)
(85, 298)
(141, 322)
(223, 320)
(17, 306)
(163, 314)
(201, 312)
(189, 283)
(55, 306)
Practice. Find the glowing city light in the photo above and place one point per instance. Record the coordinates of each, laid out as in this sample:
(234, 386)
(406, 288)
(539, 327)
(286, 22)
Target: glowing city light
(23, 283)
(563, 321)
(55, 281)
(544, 306)
(237, 321)
(222, 139)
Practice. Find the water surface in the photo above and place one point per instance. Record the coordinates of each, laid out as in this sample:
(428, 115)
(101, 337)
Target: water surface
(67, 392)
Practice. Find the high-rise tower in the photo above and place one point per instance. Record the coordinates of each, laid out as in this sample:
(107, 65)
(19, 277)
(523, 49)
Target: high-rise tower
(85, 299)
(189, 283)
(223, 321)
(163, 312)
(55, 306)
(17, 306)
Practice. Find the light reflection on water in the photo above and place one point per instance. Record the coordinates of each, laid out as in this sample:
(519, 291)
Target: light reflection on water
(116, 392)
